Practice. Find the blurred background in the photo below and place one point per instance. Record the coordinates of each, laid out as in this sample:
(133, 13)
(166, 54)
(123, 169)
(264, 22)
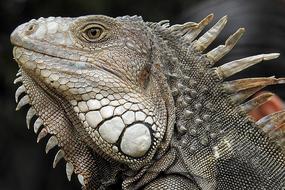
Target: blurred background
(23, 163)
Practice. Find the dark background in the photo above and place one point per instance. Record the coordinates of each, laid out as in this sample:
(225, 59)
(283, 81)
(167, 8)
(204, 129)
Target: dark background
(23, 163)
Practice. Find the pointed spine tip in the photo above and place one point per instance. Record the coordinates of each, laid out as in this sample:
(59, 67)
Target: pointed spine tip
(17, 80)
(206, 39)
(270, 56)
(59, 155)
(281, 81)
(233, 67)
(42, 134)
(225, 17)
(206, 20)
(210, 16)
(19, 73)
(224, 20)
(270, 122)
(23, 101)
(18, 92)
(256, 102)
(233, 39)
(220, 51)
(69, 170)
(38, 123)
(81, 179)
(52, 142)
(30, 114)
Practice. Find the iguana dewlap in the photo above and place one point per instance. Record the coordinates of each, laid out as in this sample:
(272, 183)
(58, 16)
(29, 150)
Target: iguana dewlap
(143, 103)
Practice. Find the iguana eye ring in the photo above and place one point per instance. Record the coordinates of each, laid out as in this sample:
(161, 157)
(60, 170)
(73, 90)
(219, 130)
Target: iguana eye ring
(93, 33)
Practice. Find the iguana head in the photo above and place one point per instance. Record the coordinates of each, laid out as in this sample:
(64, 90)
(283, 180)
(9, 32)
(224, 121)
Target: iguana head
(102, 75)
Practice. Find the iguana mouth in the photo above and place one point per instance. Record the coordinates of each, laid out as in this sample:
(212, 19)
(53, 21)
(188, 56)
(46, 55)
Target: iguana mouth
(19, 51)
(30, 59)
(52, 54)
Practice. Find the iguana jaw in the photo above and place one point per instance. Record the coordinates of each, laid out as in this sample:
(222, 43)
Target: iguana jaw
(54, 120)
(58, 118)
(60, 76)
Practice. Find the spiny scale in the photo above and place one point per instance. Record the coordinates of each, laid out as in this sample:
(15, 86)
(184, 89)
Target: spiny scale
(59, 155)
(81, 179)
(273, 125)
(52, 142)
(255, 102)
(19, 73)
(69, 170)
(38, 123)
(197, 29)
(242, 89)
(19, 91)
(241, 96)
(42, 134)
(164, 23)
(236, 66)
(248, 83)
(270, 122)
(220, 51)
(23, 101)
(19, 79)
(188, 113)
(29, 116)
(183, 28)
(206, 39)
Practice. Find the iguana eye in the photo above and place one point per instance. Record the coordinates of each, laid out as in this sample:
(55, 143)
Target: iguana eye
(93, 33)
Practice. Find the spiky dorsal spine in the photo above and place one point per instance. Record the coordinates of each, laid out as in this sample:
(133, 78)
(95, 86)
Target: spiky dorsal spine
(212, 122)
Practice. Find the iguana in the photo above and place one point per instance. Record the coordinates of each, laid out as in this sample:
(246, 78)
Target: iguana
(143, 104)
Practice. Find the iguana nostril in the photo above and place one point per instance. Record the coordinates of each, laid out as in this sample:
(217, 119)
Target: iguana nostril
(31, 28)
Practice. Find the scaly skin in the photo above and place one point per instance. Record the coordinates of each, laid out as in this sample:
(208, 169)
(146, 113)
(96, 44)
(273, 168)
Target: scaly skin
(139, 101)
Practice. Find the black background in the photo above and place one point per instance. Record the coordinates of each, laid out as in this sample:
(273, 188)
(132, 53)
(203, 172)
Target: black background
(23, 163)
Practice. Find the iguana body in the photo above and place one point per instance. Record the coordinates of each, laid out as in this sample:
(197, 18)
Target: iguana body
(143, 102)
